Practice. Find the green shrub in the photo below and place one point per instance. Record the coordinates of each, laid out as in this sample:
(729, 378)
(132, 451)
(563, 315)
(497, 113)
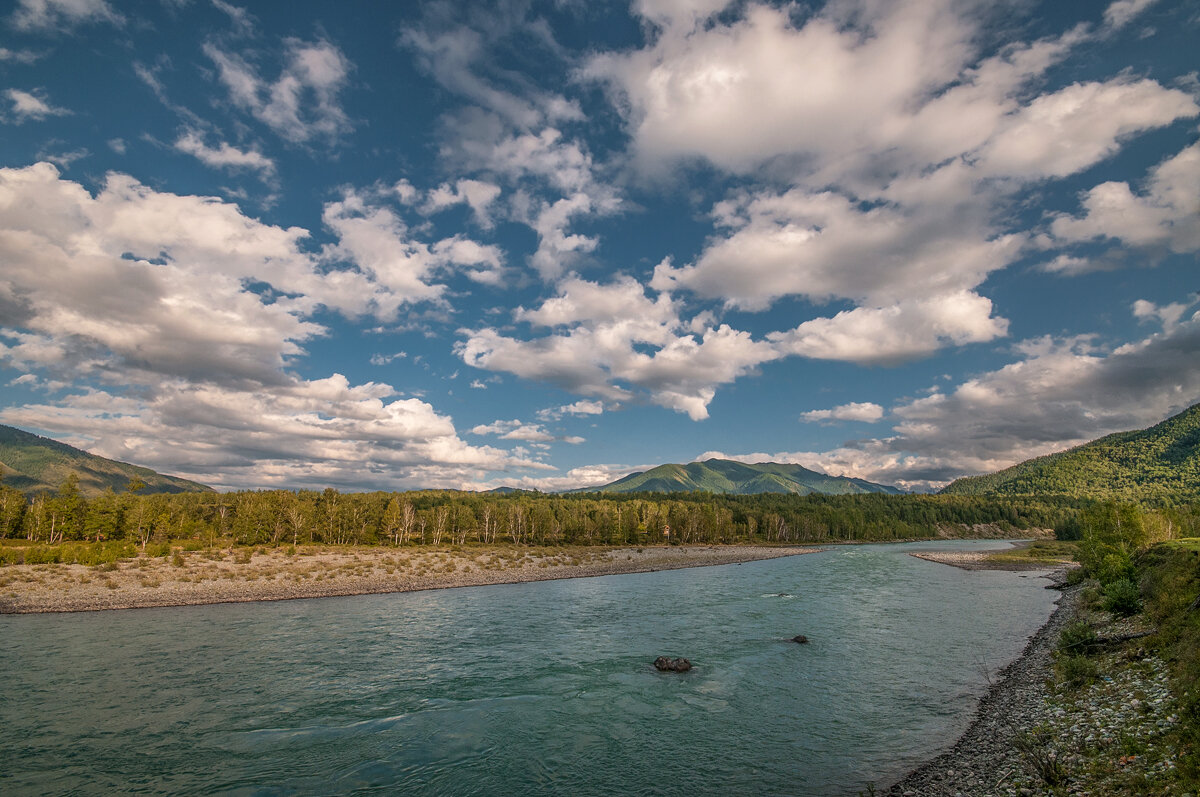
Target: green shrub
(1076, 671)
(42, 554)
(1122, 598)
(12, 556)
(1077, 639)
(1076, 575)
(158, 549)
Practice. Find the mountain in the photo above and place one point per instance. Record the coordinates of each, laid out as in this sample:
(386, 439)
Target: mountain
(727, 476)
(34, 464)
(1161, 463)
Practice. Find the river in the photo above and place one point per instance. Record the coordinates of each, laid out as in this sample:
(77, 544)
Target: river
(538, 688)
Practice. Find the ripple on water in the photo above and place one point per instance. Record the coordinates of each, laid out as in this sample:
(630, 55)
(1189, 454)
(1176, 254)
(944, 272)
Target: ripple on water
(542, 688)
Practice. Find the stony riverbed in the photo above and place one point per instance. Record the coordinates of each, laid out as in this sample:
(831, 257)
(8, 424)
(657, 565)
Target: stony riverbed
(1036, 735)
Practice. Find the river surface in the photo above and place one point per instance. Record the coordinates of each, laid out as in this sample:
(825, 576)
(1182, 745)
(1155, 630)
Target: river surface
(542, 688)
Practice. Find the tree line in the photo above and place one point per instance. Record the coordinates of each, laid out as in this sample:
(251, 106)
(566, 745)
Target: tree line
(439, 517)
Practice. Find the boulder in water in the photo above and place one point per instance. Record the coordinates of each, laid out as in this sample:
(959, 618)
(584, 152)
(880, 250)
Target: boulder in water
(801, 638)
(668, 664)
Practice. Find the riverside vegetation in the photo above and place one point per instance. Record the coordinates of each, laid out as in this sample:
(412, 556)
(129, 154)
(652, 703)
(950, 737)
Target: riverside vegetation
(113, 521)
(1105, 699)
(1124, 713)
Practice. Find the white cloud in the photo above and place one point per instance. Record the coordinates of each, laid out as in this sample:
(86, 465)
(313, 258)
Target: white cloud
(1122, 12)
(313, 434)
(224, 156)
(387, 359)
(902, 331)
(393, 269)
(746, 92)
(1168, 315)
(457, 55)
(476, 194)
(62, 14)
(1059, 394)
(865, 411)
(144, 293)
(514, 430)
(19, 56)
(302, 103)
(542, 165)
(678, 14)
(243, 23)
(825, 245)
(27, 106)
(136, 280)
(578, 408)
(1065, 132)
(1166, 213)
(616, 336)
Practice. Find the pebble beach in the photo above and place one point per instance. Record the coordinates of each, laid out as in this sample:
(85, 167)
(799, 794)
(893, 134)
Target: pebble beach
(193, 578)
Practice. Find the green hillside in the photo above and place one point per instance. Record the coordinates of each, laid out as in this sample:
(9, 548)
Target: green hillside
(34, 464)
(1157, 465)
(739, 478)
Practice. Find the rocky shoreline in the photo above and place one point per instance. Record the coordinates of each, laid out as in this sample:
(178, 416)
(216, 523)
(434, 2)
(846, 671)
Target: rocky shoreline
(987, 759)
(977, 560)
(195, 578)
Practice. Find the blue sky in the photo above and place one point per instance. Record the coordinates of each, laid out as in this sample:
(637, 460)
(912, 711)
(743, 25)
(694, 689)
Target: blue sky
(401, 245)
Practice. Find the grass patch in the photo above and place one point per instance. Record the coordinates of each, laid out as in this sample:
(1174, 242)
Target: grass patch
(1047, 552)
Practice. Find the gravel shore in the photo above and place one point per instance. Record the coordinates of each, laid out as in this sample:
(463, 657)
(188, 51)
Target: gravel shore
(986, 760)
(977, 560)
(192, 578)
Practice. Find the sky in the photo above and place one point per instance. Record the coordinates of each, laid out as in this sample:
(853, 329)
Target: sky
(463, 245)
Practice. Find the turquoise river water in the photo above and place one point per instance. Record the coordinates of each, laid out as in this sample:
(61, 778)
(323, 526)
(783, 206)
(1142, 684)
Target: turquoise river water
(542, 688)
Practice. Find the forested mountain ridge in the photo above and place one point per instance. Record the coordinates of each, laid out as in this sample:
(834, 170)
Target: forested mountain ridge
(1157, 465)
(34, 464)
(739, 478)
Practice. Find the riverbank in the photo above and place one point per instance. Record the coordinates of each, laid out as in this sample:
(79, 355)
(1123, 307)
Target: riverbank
(987, 759)
(1104, 721)
(268, 574)
(1038, 554)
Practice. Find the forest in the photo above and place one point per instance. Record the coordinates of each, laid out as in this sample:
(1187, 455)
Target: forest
(441, 517)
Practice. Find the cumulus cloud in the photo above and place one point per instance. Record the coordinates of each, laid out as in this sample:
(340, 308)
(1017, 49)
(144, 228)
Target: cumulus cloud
(514, 430)
(146, 295)
(224, 155)
(1065, 132)
(137, 279)
(582, 407)
(1058, 394)
(903, 331)
(303, 103)
(616, 340)
(62, 15)
(31, 106)
(307, 433)
(1165, 213)
(392, 268)
(905, 146)
(865, 411)
(825, 245)
(556, 185)
(476, 194)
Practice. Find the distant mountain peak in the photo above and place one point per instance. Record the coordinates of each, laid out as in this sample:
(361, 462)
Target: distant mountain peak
(731, 476)
(35, 464)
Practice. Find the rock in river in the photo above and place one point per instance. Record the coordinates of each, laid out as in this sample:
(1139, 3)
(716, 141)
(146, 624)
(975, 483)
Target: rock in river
(667, 664)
